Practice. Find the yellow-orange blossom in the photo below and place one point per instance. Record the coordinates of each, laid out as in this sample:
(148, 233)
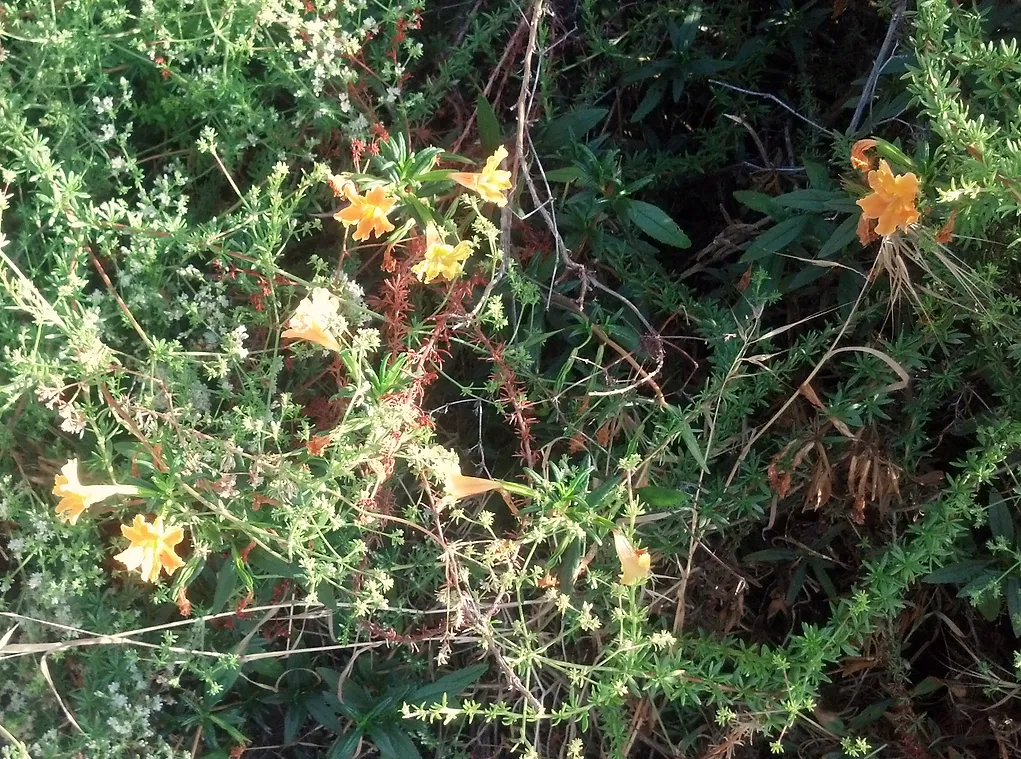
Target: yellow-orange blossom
(892, 201)
(635, 563)
(75, 497)
(367, 211)
(492, 182)
(151, 549)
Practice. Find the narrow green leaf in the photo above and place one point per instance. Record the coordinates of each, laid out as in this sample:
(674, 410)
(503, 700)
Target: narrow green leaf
(652, 97)
(842, 236)
(961, 571)
(1013, 593)
(450, 684)
(688, 436)
(776, 238)
(1001, 520)
(662, 497)
(489, 125)
(655, 222)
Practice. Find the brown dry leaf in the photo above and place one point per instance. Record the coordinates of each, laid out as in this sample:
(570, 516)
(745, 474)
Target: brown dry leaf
(577, 444)
(852, 665)
(779, 481)
(808, 391)
(820, 486)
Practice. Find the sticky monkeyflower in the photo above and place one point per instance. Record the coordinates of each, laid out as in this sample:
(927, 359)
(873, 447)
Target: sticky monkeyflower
(75, 497)
(635, 563)
(492, 182)
(314, 319)
(151, 549)
(368, 212)
(441, 260)
(892, 202)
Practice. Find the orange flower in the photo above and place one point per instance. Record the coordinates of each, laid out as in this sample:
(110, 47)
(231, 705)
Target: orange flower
(635, 563)
(75, 497)
(491, 183)
(458, 486)
(441, 260)
(892, 201)
(367, 211)
(151, 549)
(859, 160)
(313, 318)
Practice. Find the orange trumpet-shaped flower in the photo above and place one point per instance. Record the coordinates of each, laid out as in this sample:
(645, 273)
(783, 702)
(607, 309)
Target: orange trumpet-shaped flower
(892, 201)
(458, 486)
(311, 321)
(635, 563)
(441, 260)
(859, 159)
(151, 549)
(367, 211)
(492, 182)
(75, 498)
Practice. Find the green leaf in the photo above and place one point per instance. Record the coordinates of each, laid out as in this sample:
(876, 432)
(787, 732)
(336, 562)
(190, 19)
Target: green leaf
(567, 174)
(797, 583)
(318, 706)
(572, 126)
(346, 745)
(776, 238)
(451, 684)
(688, 436)
(1013, 593)
(805, 200)
(655, 222)
(294, 718)
(662, 497)
(652, 97)
(489, 125)
(959, 572)
(1001, 520)
(682, 36)
(842, 236)
(226, 583)
(757, 201)
(393, 742)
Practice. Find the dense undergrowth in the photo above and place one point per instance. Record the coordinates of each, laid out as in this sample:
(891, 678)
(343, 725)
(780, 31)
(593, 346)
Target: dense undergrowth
(557, 380)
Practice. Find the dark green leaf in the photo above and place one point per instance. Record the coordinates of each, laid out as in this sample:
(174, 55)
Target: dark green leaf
(1013, 593)
(318, 706)
(346, 745)
(662, 497)
(572, 126)
(805, 200)
(1001, 520)
(757, 201)
(226, 584)
(393, 742)
(797, 583)
(652, 97)
(451, 684)
(567, 174)
(683, 35)
(294, 718)
(656, 223)
(489, 125)
(960, 572)
(776, 238)
(842, 236)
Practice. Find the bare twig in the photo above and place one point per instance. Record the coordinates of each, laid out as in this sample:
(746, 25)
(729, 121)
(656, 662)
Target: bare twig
(779, 102)
(881, 60)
